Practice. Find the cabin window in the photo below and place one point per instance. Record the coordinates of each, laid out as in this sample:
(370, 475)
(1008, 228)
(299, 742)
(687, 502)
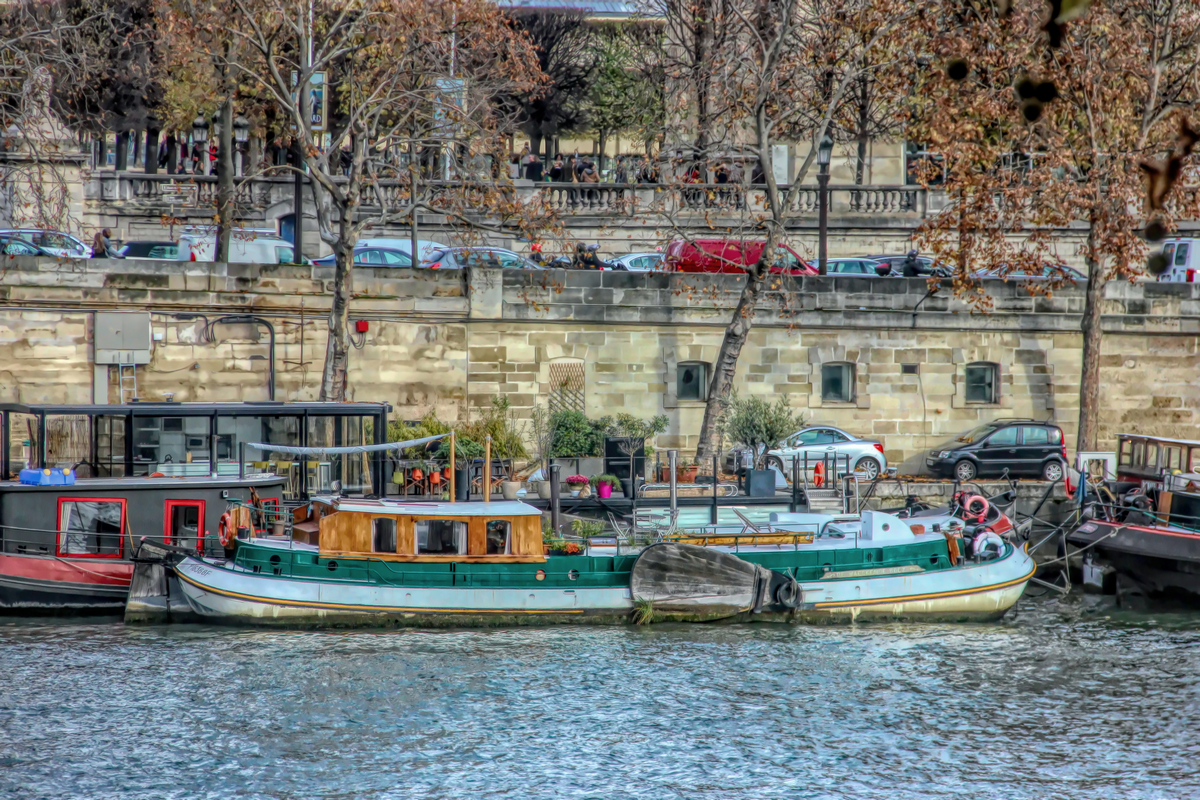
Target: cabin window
(441, 536)
(1172, 457)
(1193, 459)
(90, 527)
(1139, 454)
(499, 537)
(183, 521)
(1124, 453)
(384, 534)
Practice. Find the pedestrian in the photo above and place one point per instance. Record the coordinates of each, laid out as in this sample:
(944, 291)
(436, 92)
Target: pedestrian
(162, 154)
(533, 168)
(912, 267)
(590, 175)
(621, 172)
(736, 175)
(556, 169)
(102, 246)
(196, 159)
(758, 177)
(721, 178)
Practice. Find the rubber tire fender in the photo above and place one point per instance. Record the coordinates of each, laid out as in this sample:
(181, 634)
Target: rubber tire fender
(788, 594)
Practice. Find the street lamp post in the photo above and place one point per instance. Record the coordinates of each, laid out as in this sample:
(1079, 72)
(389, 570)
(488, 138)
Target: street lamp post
(200, 137)
(241, 135)
(824, 152)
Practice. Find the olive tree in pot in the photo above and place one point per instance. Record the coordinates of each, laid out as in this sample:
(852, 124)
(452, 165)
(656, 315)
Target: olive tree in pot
(757, 425)
(541, 429)
(631, 435)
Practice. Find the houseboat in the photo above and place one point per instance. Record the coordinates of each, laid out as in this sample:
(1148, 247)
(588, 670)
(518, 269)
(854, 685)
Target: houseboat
(1143, 521)
(67, 543)
(344, 561)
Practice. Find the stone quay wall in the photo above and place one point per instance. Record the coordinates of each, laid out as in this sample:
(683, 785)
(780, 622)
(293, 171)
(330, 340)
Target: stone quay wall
(450, 341)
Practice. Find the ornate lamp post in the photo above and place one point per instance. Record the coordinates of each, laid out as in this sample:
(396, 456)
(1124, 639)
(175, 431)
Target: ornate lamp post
(824, 153)
(200, 139)
(241, 136)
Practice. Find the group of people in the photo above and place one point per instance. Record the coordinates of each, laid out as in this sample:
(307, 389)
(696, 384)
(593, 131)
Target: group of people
(576, 168)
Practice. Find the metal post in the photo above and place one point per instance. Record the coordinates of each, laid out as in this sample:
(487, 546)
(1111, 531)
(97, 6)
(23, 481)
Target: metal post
(823, 219)
(713, 516)
(241, 461)
(795, 484)
(671, 456)
(554, 504)
(298, 204)
(453, 471)
(487, 469)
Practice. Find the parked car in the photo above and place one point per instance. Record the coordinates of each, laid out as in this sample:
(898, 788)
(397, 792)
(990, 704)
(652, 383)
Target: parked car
(817, 444)
(55, 243)
(640, 262)
(1049, 271)
(1183, 261)
(1025, 447)
(729, 256)
(244, 248)
(896, 265)
(371, 257)
(12, 246)
(159, 251)
(488, 257)
(425, 247)
(852, 266)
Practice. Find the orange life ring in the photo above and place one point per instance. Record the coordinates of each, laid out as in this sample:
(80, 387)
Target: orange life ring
(976, 505)
(226, 532)
(819, 474)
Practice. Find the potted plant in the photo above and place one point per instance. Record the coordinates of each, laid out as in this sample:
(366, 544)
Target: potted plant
(605, 484)
(758, 426)
(686, 474)
(575, 484)
(542, 432)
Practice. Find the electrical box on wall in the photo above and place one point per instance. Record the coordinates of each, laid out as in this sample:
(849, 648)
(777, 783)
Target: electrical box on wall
(122, 337)
(361, 326)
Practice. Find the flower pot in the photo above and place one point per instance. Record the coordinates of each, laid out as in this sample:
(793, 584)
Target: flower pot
(686, 474)
(604, 491)
(508, 489)
(543, 489)
(574, 492)
(760, 482)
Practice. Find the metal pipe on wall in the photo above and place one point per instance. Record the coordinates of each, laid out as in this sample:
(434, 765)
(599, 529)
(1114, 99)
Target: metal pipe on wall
(554, 499)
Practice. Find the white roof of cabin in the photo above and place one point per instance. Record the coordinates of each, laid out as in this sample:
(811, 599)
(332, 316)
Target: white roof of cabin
(505, 508)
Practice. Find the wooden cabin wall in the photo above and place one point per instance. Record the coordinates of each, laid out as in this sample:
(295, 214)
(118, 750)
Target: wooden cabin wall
(346, 531)
(527, 536)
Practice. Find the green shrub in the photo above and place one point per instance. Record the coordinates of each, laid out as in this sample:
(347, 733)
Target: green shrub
(575, 436)
(587, 528)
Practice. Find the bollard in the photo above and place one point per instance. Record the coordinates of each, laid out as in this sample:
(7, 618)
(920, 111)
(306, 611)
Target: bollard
(241, 461)
(795, 484)
(672, 455)
(554, 509)
(713, 516)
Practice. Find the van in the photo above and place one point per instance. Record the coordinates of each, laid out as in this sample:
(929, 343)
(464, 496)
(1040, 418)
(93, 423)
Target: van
(245, 247)
(1183, 261)
(730, 256)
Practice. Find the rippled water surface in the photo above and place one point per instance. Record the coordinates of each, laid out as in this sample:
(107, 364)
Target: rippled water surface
(1067, 699)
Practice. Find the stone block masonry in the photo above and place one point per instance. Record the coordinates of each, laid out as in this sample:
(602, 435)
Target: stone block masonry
(450, 341)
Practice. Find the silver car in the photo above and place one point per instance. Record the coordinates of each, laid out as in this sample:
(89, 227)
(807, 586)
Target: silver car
(864, 456)
(640, 262)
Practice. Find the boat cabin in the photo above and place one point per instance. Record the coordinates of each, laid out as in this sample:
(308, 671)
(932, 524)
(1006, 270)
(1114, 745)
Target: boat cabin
(1148, 458)
(394, 530)
(104, 518)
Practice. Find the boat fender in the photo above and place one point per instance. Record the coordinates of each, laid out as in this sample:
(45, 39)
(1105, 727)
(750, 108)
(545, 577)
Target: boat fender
(225, 530)
(988, 545)
(787, 594)
(819, 475)
(976, 506)
(156, 475)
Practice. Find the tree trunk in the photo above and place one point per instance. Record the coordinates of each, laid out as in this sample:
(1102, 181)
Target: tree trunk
(736, 334)
(122, 154)
(225, 210)
(535, 146)
(151, 161)
(1089, 378)
(600, 158)
(337, 346)
(172, 154)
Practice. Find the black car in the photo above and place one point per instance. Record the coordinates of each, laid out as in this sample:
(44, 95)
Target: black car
(1024, 447)
(896, 265)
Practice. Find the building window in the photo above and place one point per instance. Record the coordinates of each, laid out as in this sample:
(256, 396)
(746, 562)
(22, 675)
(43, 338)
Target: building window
(499, 537)
(983, 381)
(442, 537)
(837, 383)
(691, 381)
(90, 528)
(385, 535)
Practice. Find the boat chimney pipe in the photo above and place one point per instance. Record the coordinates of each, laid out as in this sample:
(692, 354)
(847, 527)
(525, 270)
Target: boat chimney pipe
(241, 461)
(672, 456)
(554, 469)
(487, 469)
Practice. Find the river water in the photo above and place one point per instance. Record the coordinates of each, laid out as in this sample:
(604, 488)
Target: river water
(1063, 699)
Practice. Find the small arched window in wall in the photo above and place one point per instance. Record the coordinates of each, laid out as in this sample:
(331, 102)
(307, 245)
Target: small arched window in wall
(982, 382)
(691, 380)
(837, 382)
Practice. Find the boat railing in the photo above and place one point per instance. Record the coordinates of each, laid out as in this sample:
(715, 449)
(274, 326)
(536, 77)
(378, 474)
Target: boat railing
(15, 539)
(711, 536)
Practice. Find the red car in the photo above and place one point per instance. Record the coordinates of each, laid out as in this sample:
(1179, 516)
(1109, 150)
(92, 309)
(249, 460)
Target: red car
(730, 256)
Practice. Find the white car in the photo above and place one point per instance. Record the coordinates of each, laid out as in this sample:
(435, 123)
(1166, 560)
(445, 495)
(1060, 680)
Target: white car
(640, 262)
(244, 248)
(53, 242)
(822, 442)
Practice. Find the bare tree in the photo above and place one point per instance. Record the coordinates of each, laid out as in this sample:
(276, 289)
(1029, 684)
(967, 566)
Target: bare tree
(1040, 136)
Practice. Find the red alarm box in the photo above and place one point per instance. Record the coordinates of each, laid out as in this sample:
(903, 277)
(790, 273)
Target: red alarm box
(360, 326)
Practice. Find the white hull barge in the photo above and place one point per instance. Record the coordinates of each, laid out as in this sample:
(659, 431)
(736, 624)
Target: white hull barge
(806, 567)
